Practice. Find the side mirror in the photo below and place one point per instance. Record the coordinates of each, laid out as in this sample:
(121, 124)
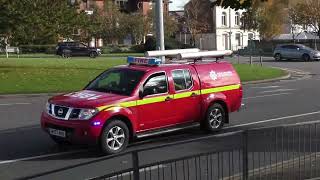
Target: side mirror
(141, 95)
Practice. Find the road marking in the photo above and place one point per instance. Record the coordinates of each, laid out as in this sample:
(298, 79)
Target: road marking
(277, 90)
(41, 156)
(12, 104)
(266, 87)
(269, 95)
(274, 119)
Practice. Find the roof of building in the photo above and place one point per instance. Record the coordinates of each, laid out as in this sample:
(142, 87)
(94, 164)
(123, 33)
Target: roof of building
(297, 36)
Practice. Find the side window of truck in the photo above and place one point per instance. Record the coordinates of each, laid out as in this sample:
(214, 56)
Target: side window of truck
(182, 79)
(156, 84)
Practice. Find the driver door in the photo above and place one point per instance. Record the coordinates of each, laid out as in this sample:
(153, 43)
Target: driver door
(155, 104)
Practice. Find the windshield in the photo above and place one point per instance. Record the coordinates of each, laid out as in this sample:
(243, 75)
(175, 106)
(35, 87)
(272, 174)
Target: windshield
(116, 81)
(306, 48)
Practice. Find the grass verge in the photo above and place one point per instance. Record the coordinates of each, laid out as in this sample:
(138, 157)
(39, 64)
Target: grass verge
(42, 75)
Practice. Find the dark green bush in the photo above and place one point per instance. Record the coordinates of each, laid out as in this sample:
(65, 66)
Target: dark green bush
(48, 49)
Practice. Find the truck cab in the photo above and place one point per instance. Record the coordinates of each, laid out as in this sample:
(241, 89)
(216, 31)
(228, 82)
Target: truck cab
(143, 98)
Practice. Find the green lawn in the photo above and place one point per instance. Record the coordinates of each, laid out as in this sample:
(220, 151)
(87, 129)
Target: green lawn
(43, 55)
(40, 75)
(255, 72)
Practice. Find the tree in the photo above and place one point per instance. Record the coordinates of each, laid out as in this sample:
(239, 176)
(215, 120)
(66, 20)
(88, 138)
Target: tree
(237, 4)
(133, 24)
(296, 19)
(194, 20)
(39, 21)
(265, 17)
(307, 14)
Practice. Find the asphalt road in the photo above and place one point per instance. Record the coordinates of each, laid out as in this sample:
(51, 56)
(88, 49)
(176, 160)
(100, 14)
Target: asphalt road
(26, 150)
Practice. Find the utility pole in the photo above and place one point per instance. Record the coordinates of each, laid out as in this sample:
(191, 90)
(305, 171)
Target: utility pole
(160, 27)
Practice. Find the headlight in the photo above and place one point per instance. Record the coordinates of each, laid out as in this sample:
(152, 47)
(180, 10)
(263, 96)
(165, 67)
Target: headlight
(48, 107)
(86, 114)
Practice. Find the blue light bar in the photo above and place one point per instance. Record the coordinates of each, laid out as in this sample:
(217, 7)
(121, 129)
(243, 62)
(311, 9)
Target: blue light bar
(143, 60)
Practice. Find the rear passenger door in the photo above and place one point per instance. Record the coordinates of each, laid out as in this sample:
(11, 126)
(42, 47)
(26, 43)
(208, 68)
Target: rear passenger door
(186, 100)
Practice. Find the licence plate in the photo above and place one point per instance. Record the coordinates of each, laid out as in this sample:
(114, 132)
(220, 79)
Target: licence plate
(57, 132)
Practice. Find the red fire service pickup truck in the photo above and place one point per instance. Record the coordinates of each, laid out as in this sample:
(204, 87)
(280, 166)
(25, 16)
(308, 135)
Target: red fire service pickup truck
(143, 98)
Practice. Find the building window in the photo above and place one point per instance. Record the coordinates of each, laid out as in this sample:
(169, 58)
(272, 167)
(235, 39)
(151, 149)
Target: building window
(224, 19)
(238, 39)
(237, 19)
(121, 3)
(250, 36)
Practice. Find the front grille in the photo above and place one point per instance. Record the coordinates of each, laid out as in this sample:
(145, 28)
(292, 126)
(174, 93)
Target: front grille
(60, 111)
(75, 113)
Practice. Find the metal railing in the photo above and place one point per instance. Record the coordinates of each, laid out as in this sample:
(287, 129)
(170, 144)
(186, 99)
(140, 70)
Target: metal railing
(283, 152)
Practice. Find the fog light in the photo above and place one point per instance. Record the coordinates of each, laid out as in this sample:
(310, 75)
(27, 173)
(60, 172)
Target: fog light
(96, 123)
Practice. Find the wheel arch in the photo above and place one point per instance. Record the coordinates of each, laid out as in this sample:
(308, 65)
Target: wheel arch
(124, 119)
(225, 107)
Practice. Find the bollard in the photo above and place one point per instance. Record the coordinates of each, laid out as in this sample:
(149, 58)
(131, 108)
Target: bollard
(250, 59)
(260, 60)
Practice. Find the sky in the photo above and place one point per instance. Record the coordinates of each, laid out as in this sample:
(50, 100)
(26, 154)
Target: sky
(177, 5)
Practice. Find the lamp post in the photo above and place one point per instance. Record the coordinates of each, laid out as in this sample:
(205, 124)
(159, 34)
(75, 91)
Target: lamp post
(160, 27)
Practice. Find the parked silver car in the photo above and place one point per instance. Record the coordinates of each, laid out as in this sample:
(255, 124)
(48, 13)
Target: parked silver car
(295, 51)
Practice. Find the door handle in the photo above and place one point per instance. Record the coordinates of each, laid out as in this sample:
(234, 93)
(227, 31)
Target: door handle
(193, 95)
(168, 98)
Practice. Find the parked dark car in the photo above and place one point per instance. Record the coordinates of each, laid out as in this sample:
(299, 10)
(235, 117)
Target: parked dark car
(295, 51)
(68, 49)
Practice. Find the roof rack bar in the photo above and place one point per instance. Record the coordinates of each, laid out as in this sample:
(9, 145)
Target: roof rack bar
(200, 55)
(172, 52)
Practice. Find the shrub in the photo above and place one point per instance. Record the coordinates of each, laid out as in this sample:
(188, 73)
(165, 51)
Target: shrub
(48, 49)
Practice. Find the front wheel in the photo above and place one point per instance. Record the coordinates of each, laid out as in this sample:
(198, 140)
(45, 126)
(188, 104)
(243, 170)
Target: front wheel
(93, 55)
(115, 137)
(306, 57)
(215, 118)
(278, 57)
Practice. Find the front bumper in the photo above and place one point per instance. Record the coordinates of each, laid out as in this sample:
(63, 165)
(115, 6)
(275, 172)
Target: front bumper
(316, 57)
(79, 132)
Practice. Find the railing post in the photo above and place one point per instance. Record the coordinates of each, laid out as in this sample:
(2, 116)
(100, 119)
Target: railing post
(135, 164)
(245, 169)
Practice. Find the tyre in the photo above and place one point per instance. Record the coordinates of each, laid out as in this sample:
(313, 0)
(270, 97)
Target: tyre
(115, 137)
(66, 54)
(277, 57)
(215, 118)
(306, 57)
(93, 55)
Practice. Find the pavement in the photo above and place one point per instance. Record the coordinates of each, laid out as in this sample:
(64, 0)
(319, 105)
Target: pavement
(26, 151)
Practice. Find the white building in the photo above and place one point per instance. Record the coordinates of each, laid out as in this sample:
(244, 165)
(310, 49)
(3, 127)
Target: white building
(228, 35)
(225, 34)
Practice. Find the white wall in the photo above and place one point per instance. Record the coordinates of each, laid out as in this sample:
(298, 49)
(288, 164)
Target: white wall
(230, 30)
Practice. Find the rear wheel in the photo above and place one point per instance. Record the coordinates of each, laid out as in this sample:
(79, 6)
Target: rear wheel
(66, 54)
(93, 55)
(277, 57)
(305, 57)
(215, 118)
(115, 137)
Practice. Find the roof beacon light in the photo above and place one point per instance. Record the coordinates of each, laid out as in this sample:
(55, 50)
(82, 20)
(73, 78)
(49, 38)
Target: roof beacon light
(143, 60)
(209, 54)
(172, 52)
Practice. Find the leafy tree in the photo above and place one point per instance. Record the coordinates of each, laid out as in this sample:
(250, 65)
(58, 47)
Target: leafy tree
(238, 4)
(266, 17)
(195, 22)
(39, 21)
(307, 14)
